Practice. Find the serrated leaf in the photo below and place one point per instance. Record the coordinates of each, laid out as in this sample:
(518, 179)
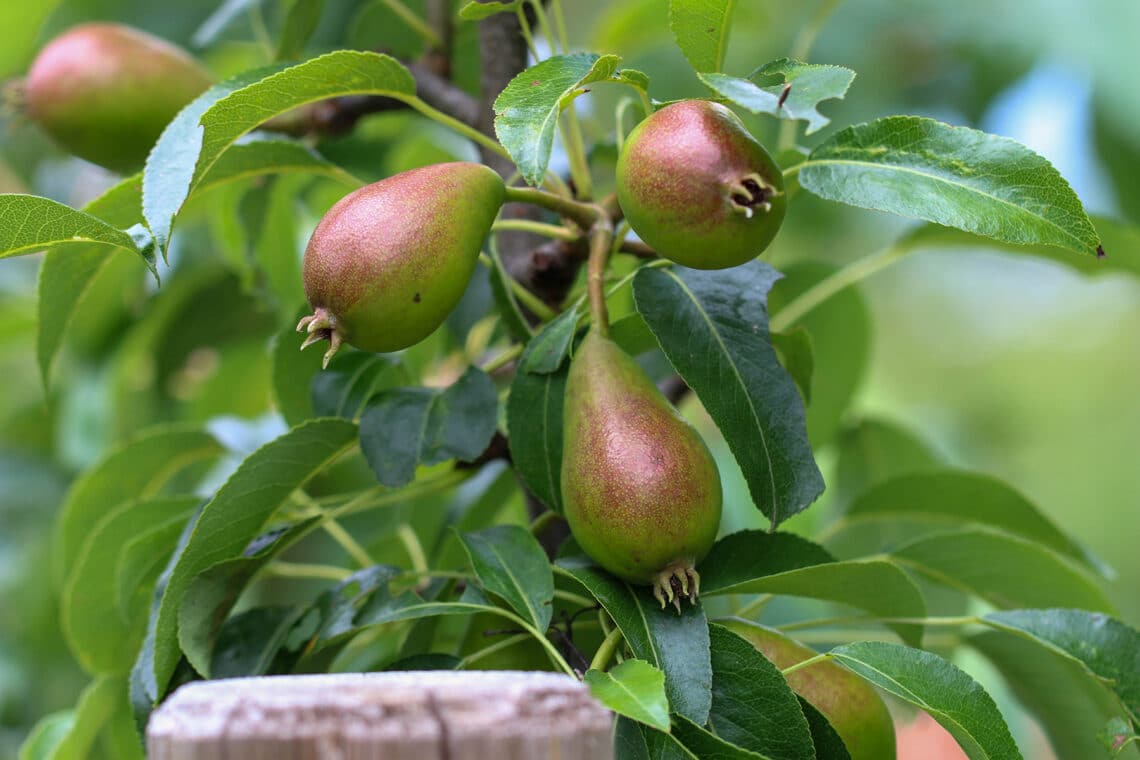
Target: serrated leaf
(344, 389)
(193, 142)
(102, 642)
(1058, 692)
(534, 431)
(949, 498)
(68, 271)
(238, 513)
(741, 557)
(249, 641)
(1005, 570)
(634, 689)
(1104, 646)
(705, 745)
(477, 11)
(713, 328)
(954, 176)
(634, 78)
(526, 111)
(752, 705)
(212, 593)
(137, 469)
(264, 154)
(927, 681)
(510, 564)
(700, 28)
(406, 427)
(810, 84)
(548, 349)
(875, 586)
(676, 643)
(300, 22)
(828, 744)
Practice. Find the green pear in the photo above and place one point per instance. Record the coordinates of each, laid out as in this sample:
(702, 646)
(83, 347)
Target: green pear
(641, 491)
(389, 262)
(106, 91)
(698, 188)
(854, 708)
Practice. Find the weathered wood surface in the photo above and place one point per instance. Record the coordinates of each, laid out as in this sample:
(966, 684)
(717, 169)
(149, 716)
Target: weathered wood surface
(436, 715)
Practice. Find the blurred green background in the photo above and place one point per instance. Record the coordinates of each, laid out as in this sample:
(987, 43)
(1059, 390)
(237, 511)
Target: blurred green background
(1005, 364)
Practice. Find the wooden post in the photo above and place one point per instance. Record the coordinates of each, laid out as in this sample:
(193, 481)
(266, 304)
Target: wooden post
(434, 715)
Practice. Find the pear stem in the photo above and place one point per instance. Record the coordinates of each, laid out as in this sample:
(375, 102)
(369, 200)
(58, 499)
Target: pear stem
(606, 651)
(601, 241)
(582, 214)
(806, 663)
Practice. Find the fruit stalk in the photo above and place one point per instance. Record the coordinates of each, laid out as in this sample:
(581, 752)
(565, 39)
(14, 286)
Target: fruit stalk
(601, 241)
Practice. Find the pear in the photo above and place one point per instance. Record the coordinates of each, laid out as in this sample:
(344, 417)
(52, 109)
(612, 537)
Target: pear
(106, 91)
(853, 707)
(641, 491)
(698, 188)
(389, 262)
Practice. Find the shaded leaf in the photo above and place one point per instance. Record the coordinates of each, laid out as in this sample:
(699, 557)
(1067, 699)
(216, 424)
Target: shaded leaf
(512, 316)
(810, 84)
(700, 28)
(248, 642)
(547, 350)
(927, 681)
(261, 154)
(746, 555)
(300, 22)
(526, 111)
(828, 744)
(478, 10)
(434, 425)
(713, 327)
(954, 176)
(798, 357)
(238, 513)
(351, 380)
(873, 450)
(70, 735)
(534, 430)
(707, 746)
(510, 564)
(752, 705)
(634, 689)
(293, 373)
(676, 643)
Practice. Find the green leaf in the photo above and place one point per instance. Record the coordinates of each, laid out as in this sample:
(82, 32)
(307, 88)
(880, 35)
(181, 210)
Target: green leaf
(206, 128)
(954, 176)
(757, 562)
(707, 746)
(752, 705)
(948, 498)
(68, 271)
(71, 734)
(713, 327)
(1105, 647)
(1117, 735)
(102, 641)
(294, 372)
(264, 154)
(1005, 570)
(840, 331)
(810, 84)
(1068, 705)
(351, 380)
(509, 563)
(477, 11)
(797, 355)
(141, 562)
(300, 22)
(29, 223)
(828, 744)
(406, 427)
(1121, 241)
(526, 111)
(634, 689)
(676, 643)
(213, 592)
(508, 306)
(238, 513)
(136, 470)
(547, 350)
(874, 450)
(22, 23)
(929, 682)
(249, 641)
(634, 78)
(534, 430)
(701, 29)
(633, 335)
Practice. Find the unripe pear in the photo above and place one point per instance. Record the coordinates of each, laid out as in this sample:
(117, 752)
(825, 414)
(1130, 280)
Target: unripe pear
(698, 188)
(640, 489)
(389, 262)
(106, 91)
(852, 706)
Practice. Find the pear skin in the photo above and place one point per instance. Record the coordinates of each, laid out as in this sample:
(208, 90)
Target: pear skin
(389, 262)
(854, 708)
(641, 490)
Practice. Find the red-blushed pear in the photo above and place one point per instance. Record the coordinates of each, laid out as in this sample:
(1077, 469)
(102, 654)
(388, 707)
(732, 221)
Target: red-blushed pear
(698, 188)
(106, 91)
(389, 262)
(852, 706)
(641, 491)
